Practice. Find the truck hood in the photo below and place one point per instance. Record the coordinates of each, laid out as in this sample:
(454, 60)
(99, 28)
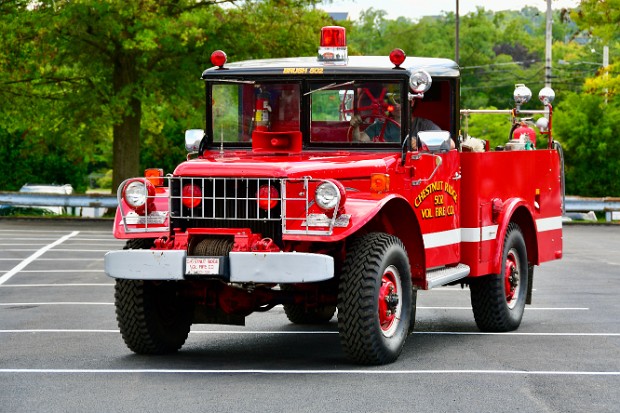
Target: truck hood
(315, 164)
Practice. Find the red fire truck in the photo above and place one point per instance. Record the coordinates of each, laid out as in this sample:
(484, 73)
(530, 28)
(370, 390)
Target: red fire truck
(282, 202)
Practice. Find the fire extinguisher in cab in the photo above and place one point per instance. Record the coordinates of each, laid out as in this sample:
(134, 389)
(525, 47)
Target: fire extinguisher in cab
(261, 111)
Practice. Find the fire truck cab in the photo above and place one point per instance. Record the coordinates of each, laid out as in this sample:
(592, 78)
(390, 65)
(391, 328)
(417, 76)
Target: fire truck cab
(336, 184)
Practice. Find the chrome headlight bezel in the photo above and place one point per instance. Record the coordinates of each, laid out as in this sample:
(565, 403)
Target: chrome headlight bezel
(420, 81)
(327, 195)
(135, 194)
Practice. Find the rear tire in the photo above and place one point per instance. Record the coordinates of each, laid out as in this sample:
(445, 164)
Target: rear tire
(304, 314)
(498, 300)
(375, 299)
(299, 314)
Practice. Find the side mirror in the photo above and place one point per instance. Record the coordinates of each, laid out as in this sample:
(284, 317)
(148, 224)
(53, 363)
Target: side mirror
(435, 141)
(192, 139)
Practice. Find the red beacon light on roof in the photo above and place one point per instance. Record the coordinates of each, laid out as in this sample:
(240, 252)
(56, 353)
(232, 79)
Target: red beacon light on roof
(333, 47)
(218, 58)
(397, 57)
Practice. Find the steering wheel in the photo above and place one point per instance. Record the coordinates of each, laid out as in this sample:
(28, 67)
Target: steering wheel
(376, 109)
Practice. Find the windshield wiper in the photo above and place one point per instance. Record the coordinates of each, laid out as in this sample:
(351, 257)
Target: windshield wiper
(331, 86)
(247, 82)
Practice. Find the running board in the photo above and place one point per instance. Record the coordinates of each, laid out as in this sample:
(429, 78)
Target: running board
(445, 275)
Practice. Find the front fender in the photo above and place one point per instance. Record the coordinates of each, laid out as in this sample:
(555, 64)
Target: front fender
(153, 223)
(362, 208)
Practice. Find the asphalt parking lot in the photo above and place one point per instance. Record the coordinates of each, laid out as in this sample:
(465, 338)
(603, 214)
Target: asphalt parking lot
(61, 350)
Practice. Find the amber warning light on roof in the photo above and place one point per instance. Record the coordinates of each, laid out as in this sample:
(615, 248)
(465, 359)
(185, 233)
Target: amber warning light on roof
(333, 45)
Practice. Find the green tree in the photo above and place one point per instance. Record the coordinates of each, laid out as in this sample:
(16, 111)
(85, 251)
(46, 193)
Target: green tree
(589, 130)
(100, 73)
(249, 30)
(100, 60)
(369, 35)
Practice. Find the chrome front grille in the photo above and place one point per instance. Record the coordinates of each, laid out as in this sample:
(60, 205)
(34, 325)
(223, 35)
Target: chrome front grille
(228, 202)
(225, 199)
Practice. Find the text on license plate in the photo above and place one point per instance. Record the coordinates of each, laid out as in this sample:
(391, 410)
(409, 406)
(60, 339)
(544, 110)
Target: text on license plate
(202, 265)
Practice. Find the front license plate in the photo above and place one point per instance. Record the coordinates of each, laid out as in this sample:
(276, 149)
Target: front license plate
(202, 265)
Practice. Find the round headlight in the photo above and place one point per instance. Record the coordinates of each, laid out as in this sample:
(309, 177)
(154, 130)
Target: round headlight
(135, 194)
(420, 81)
(327, 195)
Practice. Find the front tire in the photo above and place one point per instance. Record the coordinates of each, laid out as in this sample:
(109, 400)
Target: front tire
(498, 300)
(375, 299)
(152, 317)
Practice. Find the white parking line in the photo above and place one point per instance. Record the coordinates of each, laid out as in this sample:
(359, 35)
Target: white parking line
(62, 271)
(28, 244)
(34, 256)
(262, 332)
(419, 308)
(322, 372)
(56, 303)
(51, 231)
(55, 259)
(57, 285)
(98, 240)
(56, 250)
(72, 250)
(526, 308)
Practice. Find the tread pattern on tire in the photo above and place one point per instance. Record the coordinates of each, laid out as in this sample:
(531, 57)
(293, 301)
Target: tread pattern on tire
(357, 311)
(488, 296)
(298, 314)
(138, 314)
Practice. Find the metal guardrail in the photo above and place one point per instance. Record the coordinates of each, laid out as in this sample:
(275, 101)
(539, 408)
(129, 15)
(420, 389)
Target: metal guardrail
(608, 205)
(573, 203)
(579, 204)
(39, 199)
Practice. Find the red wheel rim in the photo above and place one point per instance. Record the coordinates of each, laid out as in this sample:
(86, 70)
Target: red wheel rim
(512, 278)
(390, 305)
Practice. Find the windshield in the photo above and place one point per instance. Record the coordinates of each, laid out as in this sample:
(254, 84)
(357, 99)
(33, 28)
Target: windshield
(240, 109)
(339, 111)
(356, 112)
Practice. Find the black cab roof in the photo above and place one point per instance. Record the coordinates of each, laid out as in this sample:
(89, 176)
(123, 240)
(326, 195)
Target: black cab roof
(355, 65)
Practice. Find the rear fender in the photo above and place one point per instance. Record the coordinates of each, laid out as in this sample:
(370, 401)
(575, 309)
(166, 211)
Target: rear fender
(516, 210)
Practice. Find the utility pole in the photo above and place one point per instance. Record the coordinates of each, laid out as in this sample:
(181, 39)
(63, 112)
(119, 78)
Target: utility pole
(548, 45)
(456, 46)
(605, 68)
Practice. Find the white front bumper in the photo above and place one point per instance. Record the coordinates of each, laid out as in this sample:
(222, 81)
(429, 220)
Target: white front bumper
(257, 267)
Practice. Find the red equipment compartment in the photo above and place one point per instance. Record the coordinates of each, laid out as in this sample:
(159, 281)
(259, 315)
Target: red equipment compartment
(493, 192)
